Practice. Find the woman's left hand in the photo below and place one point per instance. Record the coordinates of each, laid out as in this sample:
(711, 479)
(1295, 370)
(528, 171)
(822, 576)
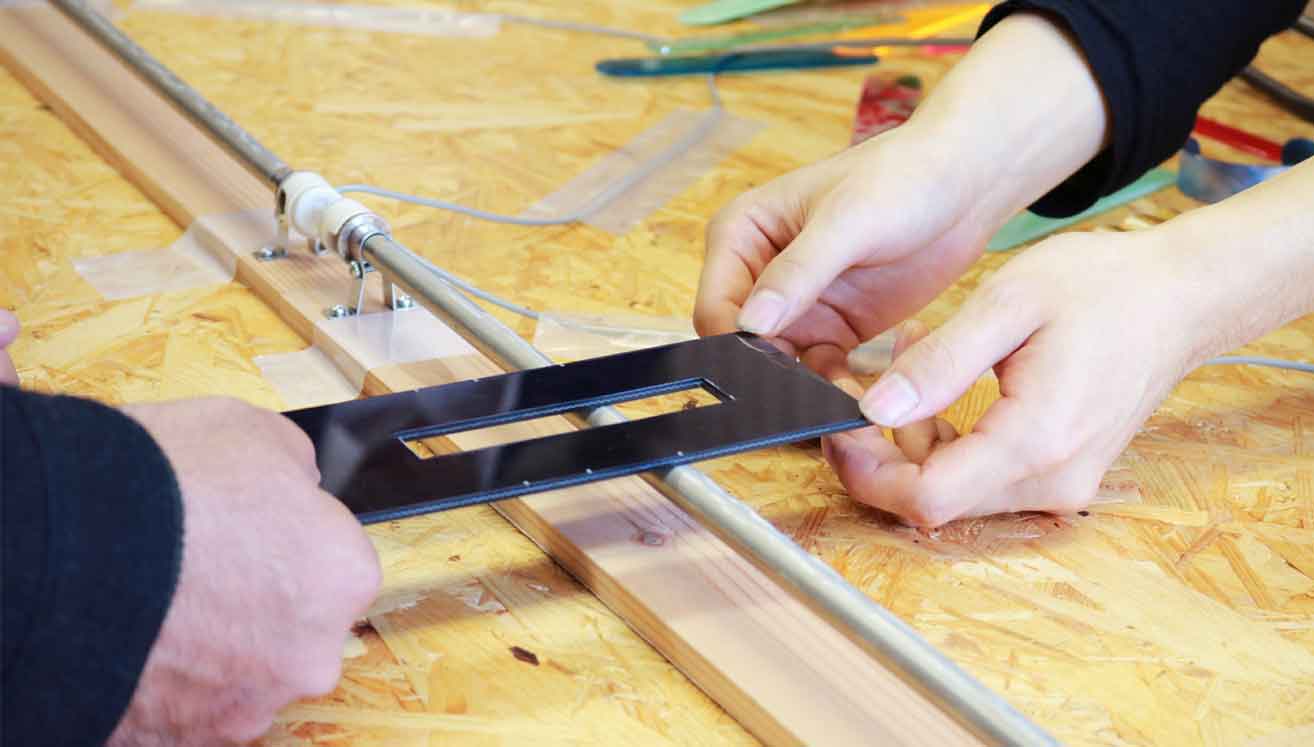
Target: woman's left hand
(1087, 334)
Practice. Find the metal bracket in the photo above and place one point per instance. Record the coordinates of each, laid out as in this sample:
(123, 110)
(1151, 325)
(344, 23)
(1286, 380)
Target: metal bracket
(393, 297)
(766, 398)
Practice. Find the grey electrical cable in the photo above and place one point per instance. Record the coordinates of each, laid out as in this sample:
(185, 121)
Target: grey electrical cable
(1225, 360)
(1253, 360)
(468, 287)
(687, 142)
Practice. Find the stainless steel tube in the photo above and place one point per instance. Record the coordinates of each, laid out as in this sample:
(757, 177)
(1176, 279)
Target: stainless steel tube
(256, 157)
(807, 577)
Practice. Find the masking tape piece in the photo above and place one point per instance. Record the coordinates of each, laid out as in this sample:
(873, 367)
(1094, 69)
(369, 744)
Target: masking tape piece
(199, 258)
(624, 212)
(398, 20)
(571, 337)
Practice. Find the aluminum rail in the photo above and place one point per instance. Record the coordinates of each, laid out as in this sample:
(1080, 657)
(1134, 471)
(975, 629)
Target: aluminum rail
(255, 157)
(809, 579)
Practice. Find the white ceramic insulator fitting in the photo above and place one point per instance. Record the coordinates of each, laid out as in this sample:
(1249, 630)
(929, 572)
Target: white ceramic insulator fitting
(308, 197)
(334, 216)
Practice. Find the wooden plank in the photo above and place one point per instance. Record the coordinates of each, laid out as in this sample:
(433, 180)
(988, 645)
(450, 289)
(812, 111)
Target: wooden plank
(776, 667)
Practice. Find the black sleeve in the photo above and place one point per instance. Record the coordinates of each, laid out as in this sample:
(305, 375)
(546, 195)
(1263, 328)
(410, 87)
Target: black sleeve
(1156, 62)
(92, 524)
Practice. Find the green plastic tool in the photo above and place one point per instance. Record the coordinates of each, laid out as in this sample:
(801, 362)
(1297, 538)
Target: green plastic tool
(724, 11)
(721, 42)
(1026, 226)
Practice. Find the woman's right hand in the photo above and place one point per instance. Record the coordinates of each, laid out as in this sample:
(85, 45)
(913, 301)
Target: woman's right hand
(828, 256)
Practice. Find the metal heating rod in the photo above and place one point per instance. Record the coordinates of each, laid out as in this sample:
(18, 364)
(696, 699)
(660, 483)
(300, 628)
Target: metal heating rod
(809, 579)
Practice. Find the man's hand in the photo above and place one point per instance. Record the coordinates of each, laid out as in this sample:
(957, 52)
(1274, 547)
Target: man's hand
(1087, 334)
(8, 333)
(274, 573)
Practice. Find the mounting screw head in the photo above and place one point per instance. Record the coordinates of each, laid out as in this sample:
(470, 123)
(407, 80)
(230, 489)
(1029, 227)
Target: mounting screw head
(357, 269)
(402, 301)
(267, 253)
(338, 311)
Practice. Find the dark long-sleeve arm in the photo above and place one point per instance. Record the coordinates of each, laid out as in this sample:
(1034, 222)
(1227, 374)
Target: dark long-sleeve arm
(1156, 62)
(92, 525)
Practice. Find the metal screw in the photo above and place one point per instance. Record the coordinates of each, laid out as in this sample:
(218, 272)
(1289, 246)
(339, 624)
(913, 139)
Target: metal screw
(402, 301)
(357, 269)
(338, 311)
(267, 253)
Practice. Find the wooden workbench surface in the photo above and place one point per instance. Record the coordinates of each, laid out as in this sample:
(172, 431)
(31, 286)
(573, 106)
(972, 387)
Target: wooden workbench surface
(1181, 611)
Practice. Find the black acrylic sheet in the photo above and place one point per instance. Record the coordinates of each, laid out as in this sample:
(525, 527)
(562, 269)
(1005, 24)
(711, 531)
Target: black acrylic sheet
(766, 398)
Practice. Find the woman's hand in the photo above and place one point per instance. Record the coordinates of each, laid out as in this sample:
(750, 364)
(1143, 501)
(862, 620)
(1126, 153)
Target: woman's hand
(831, 255)
(836, 252)
(1087, 334)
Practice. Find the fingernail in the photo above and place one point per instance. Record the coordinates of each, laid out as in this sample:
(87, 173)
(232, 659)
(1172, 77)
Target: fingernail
(850, 387)
(762, 312)
(890, 400)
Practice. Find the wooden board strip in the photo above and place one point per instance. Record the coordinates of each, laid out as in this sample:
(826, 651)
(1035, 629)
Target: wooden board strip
(775, 666)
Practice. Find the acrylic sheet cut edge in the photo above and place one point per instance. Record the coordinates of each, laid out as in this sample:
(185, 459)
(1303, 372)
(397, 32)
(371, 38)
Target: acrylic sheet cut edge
(780, 670)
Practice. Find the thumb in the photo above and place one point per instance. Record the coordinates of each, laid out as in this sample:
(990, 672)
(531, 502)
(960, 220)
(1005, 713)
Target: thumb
(928, 376)
(791, 283)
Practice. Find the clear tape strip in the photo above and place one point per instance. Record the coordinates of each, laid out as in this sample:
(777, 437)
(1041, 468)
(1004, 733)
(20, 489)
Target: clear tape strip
(200, 257)
(728, 134)
(399, 20)
(568, 337)
(344, 351)
(305, 378)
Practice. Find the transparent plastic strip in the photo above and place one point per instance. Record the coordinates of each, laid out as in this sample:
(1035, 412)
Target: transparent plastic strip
(649, 194)
(427, 20)
(571, 337)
